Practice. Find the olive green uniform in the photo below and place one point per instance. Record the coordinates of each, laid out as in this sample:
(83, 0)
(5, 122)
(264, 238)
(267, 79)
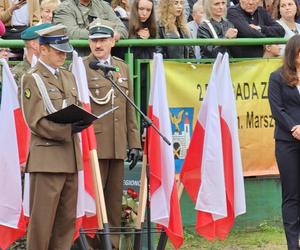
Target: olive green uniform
(20, 69)
(53, 162)
(76, 17)
(114, 133)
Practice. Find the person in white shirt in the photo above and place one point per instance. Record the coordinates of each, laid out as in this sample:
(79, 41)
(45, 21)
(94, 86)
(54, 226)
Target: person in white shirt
(288, 12)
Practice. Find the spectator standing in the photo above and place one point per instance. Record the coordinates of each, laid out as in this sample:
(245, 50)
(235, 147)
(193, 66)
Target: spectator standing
(172, 24)
(121, 8)
(186, 7)
(252, 21)
(115, 131)
(18, 15)
(142, 25)
(198, 17)
(289, 11)
(272, 50)
(284, 101)
(191, 5)
(269, 5)
(77, 15)
(47, 9)
(4, 53)
(54, 156)
(216, 26)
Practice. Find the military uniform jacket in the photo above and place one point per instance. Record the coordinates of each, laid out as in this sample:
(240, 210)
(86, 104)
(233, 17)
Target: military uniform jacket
(52, 147)
(20, 69)
(76, 22)
(118, 129)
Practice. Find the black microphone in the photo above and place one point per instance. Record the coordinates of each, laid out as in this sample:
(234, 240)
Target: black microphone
(105, 68)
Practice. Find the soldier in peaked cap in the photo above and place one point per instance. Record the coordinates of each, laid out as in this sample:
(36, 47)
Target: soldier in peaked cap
(54, 158)
(32, 46)
(115, 131)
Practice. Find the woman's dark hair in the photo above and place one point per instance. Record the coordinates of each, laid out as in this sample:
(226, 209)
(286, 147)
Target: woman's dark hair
(135, 24)
(276, 10)
(291, 53)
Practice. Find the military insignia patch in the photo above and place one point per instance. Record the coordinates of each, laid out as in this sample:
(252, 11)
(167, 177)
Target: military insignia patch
(27, 93)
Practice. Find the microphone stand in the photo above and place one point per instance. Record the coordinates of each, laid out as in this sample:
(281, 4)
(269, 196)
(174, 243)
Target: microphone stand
(147, 122)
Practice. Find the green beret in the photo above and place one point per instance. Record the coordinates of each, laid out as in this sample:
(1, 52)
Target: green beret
(31, 34)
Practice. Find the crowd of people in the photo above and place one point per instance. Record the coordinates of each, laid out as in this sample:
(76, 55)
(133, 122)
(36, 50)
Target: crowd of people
(150, 19)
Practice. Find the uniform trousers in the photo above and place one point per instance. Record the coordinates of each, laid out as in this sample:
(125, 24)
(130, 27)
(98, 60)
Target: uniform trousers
(53, 200)
(112, 175)
(288, 160)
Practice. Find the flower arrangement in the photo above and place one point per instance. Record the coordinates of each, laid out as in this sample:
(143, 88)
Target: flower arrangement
(130, 205)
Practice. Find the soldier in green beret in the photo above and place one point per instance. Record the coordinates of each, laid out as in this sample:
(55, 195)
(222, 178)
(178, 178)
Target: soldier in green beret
(30, 37)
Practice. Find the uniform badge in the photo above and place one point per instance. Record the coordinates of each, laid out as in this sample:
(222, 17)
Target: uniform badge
(27, 93)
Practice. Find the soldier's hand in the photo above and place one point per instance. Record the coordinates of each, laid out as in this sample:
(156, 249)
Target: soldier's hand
(79, 126)
(133, 156)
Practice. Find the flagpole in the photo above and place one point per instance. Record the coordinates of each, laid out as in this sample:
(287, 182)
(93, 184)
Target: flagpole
(147, 122)
(141, 207)
(100, 201)
(163, 238)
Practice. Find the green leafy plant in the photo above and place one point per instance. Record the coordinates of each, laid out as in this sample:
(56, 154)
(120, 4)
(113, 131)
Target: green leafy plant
(130, 205)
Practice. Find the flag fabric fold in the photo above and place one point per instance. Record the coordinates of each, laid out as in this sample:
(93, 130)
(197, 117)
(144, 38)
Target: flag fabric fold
(12, 153)
(86, 205)
(165, 210)
(212, 170)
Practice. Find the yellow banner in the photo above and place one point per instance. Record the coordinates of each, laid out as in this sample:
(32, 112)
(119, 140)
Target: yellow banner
(186, 88)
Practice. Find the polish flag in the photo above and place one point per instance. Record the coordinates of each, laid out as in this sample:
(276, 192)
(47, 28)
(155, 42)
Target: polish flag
(12, 153)
(165, 210)
(233, 169)
(212, 170)
(86, 205)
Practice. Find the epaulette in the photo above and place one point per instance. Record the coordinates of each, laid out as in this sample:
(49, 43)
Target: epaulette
(117, 58)
(64, 68)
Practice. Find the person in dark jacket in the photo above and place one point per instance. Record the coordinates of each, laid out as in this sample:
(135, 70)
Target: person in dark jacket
(216, 26)
(252, 21)
(173, 25)
(142, 25)
(284, 98)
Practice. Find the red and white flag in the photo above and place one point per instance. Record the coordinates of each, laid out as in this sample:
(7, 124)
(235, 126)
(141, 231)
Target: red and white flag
(86, 205)
(13, 145)
(212, 170)
(165, 209)
(233, 169)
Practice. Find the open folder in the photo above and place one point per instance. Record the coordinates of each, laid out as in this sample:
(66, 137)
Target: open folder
(74, 113)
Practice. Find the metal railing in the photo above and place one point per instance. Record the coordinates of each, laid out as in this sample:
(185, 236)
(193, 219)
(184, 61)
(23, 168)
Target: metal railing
(164, 42)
